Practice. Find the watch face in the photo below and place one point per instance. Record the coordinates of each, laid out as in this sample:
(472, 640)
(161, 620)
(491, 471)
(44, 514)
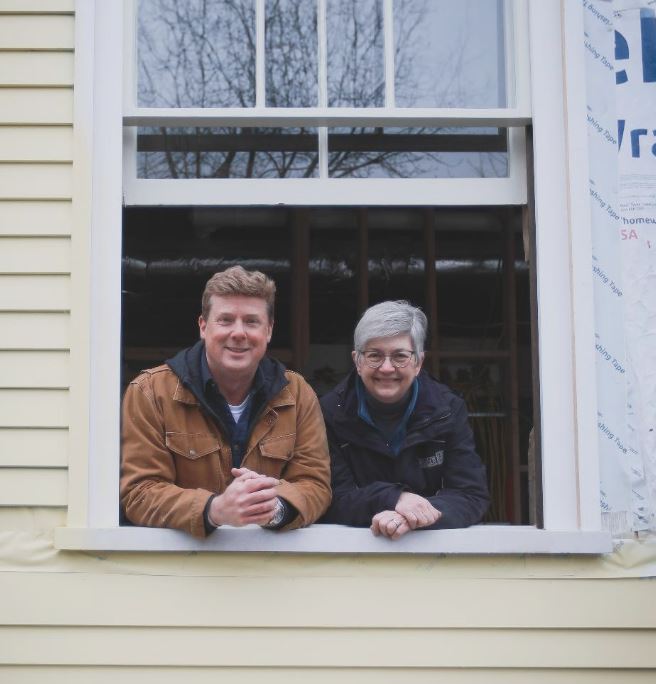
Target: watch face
(279, 513)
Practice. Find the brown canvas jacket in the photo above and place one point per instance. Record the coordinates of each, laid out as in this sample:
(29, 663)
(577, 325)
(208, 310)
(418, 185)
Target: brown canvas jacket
(174, 456)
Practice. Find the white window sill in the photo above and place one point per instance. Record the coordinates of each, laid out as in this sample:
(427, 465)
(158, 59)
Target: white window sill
(477, 540)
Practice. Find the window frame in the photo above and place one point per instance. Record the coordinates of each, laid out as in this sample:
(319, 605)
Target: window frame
(570, 469)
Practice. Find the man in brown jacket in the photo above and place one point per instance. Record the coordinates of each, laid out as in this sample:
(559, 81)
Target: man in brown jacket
(222, 434)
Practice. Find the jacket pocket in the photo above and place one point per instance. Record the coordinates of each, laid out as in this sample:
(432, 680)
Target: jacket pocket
(431, 454)
(279, 448)
(191, 445)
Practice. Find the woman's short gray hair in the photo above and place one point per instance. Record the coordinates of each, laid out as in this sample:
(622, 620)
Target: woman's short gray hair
(388, 319)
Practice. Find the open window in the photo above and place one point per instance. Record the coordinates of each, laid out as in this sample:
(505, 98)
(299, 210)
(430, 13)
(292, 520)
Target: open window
(465, 267)
(356, 152)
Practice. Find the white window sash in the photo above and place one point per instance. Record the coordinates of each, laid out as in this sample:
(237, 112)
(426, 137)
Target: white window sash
(285, 117)
(324, 190)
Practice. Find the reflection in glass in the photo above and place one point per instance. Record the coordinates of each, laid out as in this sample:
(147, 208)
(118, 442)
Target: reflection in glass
(291, 53)
(356, 72)
(194, 53)
(449, 53)
(417, 153)
(227, 153)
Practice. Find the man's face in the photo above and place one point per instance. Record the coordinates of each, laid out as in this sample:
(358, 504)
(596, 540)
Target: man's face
(236, 334)
(387, 383)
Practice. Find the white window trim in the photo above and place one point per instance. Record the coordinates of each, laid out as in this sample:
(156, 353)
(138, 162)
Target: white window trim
(477, 540)
(572, 517)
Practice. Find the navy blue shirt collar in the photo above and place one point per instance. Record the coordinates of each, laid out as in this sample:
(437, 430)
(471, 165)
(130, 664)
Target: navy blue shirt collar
(400, 432)
(208, 381)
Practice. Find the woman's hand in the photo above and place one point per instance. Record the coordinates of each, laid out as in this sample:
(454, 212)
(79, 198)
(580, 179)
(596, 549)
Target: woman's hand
(389, 524)
(417, 511)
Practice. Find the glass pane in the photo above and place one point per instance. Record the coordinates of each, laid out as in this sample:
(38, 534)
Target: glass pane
(227, 153)
(356, 71)
(417, 153)
(291, 53)
(449, 53)
(194, 53)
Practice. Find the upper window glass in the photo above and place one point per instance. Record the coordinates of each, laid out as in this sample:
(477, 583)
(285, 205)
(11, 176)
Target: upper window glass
(313, 53)
(196, 54)
(353, 152)
(356, 53)
(291, 53)
(449, 53)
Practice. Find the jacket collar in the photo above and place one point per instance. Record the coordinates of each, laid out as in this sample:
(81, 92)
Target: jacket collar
(431, 405)
(186, 364)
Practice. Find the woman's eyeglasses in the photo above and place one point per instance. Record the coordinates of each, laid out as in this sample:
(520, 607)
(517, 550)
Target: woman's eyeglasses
(399, 358)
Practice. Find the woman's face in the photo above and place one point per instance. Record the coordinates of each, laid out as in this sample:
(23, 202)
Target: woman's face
(387, 383)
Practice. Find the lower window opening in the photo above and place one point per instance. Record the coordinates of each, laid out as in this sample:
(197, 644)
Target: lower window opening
(467, 268)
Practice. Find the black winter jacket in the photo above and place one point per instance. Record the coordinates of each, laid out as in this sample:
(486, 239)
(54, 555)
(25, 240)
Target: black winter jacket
(437, 459)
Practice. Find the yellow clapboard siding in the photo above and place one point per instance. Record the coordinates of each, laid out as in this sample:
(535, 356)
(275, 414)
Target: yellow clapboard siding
(29, 520)
(407, 648)
(34, 369)
(368, 675)
(37, 32)
(36, 68)
(33, 408)
(36, 218)
(36, 106)
(36, 143)
(34, 448)
(276, 600)
(35, 293)
(34, 330)
(35, 255)
(33, 486)
(38, 6)
(36, 181)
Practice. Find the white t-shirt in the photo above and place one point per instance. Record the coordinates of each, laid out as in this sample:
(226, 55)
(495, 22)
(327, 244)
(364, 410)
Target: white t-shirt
(239, 409)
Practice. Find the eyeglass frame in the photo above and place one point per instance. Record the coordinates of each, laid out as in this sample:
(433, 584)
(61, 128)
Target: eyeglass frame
(363, 352)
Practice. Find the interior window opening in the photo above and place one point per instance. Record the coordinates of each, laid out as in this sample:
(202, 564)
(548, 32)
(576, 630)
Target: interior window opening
(468, 268)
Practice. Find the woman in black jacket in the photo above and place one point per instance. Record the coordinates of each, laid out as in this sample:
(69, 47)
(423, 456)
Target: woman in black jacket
(402, 451)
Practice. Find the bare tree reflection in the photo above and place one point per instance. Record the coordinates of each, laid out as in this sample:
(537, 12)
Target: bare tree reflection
(291, 53)
(201, 53)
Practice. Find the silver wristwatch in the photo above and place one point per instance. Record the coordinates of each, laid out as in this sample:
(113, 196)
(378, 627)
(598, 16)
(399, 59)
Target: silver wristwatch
(278, 514)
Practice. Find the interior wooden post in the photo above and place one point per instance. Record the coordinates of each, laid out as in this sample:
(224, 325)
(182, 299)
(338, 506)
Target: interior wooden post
(363, 260)
(512, 374)
(431, 290)
(300, 290)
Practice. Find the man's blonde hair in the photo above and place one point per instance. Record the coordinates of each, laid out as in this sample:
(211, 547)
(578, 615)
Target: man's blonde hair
(238, 281)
